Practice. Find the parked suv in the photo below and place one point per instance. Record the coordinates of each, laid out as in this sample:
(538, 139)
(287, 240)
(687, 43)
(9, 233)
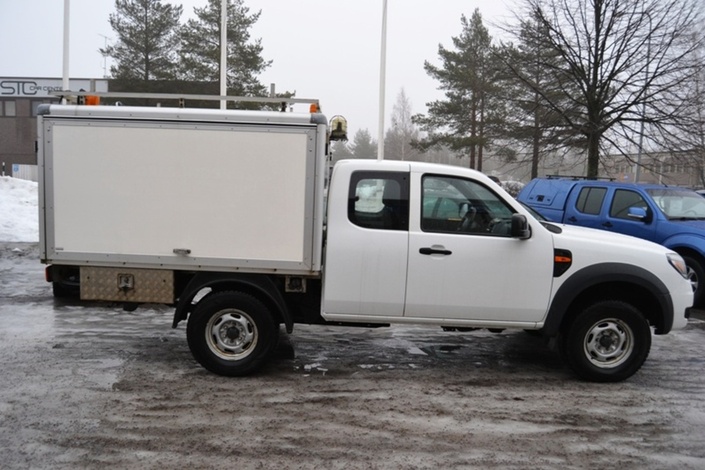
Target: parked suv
(671, 216)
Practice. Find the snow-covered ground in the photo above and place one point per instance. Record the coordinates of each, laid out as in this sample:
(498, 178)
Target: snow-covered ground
(19, 216)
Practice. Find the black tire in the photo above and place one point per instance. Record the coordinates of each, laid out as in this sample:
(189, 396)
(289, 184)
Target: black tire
(696, 276)
(63, 291)
(231, 333)
(608, 342)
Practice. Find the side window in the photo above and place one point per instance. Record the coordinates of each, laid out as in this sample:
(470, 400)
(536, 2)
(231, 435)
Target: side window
(379, 200)
(456, 205)
(623, 200)
(590, 200)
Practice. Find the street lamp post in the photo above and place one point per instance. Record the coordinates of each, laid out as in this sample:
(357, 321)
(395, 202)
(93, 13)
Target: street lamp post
(382, 80)
(643, 104)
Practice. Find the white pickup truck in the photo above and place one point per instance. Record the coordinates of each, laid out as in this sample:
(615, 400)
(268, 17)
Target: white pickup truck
(231, 217)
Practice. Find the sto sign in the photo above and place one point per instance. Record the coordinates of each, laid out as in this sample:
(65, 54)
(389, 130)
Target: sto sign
(46, 87)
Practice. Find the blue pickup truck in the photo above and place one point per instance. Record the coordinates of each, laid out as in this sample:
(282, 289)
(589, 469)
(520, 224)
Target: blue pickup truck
(671, 216)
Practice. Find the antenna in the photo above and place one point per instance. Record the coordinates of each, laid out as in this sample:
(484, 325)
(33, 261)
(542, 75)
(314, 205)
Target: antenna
(105, 55)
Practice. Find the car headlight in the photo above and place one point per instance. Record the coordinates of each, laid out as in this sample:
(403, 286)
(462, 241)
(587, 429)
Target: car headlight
(678, 264)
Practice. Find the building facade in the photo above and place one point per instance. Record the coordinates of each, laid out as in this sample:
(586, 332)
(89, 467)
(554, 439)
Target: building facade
(20, 98)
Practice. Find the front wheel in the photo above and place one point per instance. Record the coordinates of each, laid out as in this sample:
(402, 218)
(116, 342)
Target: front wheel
(231, 333)
(608, 342)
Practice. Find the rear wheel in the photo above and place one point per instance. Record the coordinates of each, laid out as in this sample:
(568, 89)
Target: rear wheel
(608, 342)
(231, 333)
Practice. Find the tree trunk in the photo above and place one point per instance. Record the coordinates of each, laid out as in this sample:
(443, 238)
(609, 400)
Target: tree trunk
(481, 133)
(479, 156)
(536, 143)
(593, 157)
(535, 154)
(473, 132)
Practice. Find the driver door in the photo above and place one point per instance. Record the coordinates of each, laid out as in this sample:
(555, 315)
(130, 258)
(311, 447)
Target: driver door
(463, 263)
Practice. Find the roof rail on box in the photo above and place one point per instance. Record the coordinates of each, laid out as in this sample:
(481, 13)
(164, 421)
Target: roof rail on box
(578, 177)
(182, 97)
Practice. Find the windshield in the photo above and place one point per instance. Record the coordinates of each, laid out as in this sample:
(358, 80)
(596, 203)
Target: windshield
(679, 203)
(533, 212)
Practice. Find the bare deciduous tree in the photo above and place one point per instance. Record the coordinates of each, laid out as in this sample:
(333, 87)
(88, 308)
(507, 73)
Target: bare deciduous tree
(623, 63)
(397, 142)
(687, 142)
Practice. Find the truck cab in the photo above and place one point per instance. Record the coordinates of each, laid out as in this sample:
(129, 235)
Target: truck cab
(427, 246)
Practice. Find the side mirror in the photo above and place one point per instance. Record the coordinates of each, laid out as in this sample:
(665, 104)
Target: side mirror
(520, 227)
(638, 213)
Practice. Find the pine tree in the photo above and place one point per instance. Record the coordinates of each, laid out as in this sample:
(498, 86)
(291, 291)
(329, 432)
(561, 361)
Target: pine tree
(200, 52)
(363, 145)
(534, 123)
(147, 41)
(340, 150)
(464, 120)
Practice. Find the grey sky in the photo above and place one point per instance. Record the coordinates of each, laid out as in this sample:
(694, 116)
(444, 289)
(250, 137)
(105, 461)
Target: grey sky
(325, 49)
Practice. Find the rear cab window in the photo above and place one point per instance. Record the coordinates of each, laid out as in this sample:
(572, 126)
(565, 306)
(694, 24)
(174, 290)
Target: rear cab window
(590, 200)
(379, 200)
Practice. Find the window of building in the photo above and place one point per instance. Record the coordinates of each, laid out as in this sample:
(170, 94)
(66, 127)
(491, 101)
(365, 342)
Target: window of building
(8, 108)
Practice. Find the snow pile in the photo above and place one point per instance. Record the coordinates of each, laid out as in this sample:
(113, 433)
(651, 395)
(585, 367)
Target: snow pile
(19, 214)
(512, 187)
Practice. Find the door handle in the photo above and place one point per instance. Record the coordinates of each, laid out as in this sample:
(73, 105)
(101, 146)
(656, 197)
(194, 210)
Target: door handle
(607, 224)
(572, 219)
(434, 251)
